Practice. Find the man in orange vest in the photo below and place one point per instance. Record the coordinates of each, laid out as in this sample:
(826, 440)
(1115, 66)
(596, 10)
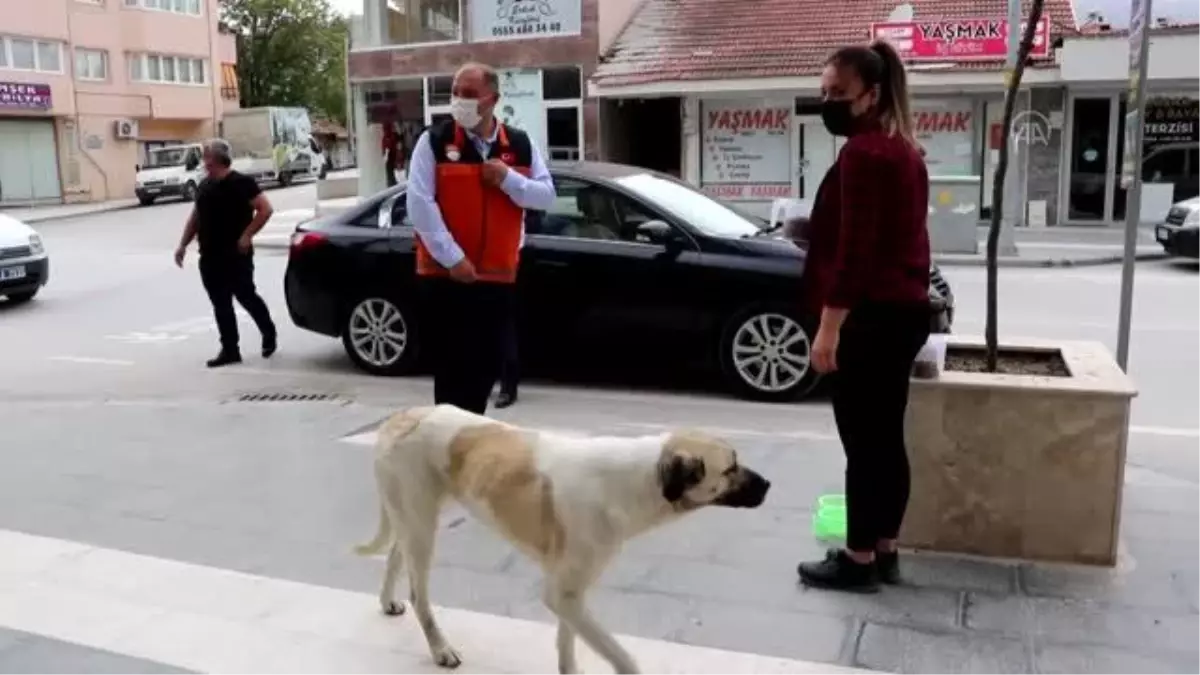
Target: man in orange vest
(469, 183)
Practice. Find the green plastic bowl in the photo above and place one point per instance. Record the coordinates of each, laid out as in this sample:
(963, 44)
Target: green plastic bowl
(829, 520)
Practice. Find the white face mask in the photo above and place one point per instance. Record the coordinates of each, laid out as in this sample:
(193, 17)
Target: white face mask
(465, 111)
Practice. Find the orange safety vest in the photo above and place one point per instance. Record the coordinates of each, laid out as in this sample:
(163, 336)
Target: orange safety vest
(483, 220)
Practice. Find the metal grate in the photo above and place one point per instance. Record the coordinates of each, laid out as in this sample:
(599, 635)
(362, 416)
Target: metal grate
(283, 397)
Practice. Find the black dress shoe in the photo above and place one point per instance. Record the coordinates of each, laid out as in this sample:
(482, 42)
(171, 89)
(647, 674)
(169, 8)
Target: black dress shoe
(839, 572)
(887, 564)
(269, 346)
(504, 399)
(223, 359)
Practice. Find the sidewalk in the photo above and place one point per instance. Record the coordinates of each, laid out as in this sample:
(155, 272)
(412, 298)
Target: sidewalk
(1062, 246)
(40, 214)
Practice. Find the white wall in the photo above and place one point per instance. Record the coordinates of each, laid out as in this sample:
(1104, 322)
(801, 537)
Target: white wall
(1106, 59)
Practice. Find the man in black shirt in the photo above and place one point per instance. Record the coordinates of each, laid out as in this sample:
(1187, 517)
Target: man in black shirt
(230, 209)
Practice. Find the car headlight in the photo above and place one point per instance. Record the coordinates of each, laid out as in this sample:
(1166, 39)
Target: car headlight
(1193, 217)
(36, 247)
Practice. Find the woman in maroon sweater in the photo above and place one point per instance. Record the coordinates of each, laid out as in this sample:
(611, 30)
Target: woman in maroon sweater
(868, 277)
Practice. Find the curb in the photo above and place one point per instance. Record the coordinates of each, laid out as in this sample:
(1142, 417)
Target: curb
(952, 260)
(49, 218)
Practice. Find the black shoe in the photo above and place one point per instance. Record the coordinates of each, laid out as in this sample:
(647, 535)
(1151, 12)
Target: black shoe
(838, 572)
(224, 358)
(887, 564)
(504, 399)
(270, 344)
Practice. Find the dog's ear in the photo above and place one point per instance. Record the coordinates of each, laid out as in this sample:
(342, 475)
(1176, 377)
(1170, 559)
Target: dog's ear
(678, 472)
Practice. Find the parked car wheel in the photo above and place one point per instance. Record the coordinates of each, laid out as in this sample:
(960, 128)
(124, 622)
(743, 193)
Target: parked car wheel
(189, 192)
(766, 354)
(285, 179)
(380, 337)
(145, 201)
(19, 298)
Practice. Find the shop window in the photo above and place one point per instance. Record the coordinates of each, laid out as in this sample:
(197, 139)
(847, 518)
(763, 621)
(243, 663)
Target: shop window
(422, 21)
(562, 83)
(439, 89)
(562, 133)
(1089, 158)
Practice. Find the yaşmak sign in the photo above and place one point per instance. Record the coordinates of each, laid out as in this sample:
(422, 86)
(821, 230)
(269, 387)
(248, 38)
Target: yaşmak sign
(956, 39)
(747, 151)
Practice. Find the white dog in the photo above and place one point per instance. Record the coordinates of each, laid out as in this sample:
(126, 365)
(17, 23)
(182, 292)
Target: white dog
(569, 503)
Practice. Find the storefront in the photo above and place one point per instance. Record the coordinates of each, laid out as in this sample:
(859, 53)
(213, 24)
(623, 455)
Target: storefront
(28, 150)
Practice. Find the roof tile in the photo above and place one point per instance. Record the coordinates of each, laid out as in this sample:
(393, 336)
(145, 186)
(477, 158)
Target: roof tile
(709, 39)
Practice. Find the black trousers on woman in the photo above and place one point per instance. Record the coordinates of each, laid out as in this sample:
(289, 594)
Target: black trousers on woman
(876, 349)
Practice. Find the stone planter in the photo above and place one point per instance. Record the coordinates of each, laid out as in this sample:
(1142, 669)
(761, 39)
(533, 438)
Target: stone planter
(1020, 466)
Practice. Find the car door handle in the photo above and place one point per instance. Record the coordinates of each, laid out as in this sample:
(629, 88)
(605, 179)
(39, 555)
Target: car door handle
(551, 263)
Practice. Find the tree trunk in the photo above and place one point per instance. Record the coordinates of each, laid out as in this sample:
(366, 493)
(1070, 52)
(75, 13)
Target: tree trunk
(991, 332)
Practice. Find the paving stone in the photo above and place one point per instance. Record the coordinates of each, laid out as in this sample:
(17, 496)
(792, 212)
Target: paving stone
(9, 638)
(652, 615)
(927, 608)
(808, 637)
(1130, 584)
(1170, 496)
(905, 650)
(1174, 528)
(36, 654)
(1084, 622)
(1058, 658)
(955, 573)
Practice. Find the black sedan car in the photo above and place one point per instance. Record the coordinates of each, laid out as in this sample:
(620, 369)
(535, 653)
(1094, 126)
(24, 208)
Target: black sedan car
(629, 265)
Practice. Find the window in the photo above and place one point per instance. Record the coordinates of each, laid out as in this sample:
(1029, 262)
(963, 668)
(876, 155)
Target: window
(91, 64)
(580, 211)
(167, 69)
(562, 83)
(189, 7)
(712, 217)
(422, 21)
(562, 133)
(439, 89)
(28, 54)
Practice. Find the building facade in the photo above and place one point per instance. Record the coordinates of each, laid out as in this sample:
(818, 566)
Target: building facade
(88, 86)
(404, 53)
(746, 91)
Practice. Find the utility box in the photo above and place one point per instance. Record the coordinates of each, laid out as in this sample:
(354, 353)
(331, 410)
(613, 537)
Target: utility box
(954, 217)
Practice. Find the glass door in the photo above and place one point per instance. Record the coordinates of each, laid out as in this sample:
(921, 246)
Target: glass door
(1090, 166)
(818, 150)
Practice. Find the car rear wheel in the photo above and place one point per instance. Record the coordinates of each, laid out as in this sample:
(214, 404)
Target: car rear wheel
(20, 298)
(380, 337)
(766, 354)
(145, 201)
(189, 192)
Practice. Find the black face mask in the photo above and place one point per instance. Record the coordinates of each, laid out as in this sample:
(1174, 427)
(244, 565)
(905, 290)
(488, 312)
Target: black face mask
(836, 115)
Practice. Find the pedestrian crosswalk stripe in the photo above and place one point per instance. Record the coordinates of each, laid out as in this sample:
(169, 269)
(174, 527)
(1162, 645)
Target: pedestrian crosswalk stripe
(219, 621)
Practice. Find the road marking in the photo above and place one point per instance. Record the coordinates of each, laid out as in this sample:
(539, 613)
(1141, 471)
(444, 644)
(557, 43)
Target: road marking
(1177, 432)
(212, 620)
(141, 338)
(92, 359)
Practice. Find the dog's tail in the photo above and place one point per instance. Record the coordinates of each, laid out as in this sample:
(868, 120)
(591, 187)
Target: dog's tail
(383, 536)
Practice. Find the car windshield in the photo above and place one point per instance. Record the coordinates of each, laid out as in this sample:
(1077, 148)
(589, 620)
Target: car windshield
(166, 157)
(712, 217)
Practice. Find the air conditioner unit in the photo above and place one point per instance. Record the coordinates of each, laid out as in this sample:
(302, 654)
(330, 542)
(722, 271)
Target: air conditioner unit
(125, 128)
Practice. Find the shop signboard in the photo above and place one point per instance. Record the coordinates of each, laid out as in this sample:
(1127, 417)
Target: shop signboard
(1171, 120)
(493, 20)
(746, 150)
(25, 95)
(956, 39)
(946, 131)
(520, 103)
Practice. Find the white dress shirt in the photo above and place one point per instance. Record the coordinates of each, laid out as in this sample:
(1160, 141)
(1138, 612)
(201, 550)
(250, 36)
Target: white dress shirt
(533, 193)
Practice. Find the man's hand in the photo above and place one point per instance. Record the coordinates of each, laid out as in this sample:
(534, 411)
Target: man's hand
(463, 272)
(824, 350)
(179, 255)
(494, 172)
(245, 243)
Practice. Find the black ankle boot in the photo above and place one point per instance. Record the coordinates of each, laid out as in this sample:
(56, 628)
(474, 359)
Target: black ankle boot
(839, 572)
(224, 358)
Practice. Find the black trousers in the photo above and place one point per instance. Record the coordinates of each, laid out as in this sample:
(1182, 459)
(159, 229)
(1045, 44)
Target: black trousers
(464, 329)
(876, 349)
(510, 366)
(389, 168)
(228, 277)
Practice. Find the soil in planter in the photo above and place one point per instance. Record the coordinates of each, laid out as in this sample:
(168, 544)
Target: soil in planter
(1008, 362)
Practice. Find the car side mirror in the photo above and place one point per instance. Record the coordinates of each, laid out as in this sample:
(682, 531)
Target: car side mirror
(137, 167)
(656, 232)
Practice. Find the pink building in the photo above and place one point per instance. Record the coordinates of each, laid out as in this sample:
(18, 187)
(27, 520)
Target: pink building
(87, 86)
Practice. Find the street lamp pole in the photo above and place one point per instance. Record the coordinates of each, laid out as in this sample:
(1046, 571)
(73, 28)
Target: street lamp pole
(1131, 165)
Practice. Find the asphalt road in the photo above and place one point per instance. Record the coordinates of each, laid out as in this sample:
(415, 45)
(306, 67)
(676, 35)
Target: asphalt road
(116, 435)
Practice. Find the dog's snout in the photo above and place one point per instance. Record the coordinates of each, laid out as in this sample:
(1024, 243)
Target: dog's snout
(750, 492)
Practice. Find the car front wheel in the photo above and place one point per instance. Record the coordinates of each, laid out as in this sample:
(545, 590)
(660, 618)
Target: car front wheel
(380, 337)
(766, 354)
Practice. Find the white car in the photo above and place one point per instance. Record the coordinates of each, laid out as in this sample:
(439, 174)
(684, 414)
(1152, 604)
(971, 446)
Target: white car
(24, 264)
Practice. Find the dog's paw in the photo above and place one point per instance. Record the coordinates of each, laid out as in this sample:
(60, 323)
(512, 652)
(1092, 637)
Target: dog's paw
(568, 668)
(447, 657)
(392, 607)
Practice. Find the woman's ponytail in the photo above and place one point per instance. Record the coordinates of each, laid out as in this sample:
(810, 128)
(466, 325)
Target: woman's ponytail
(894, 105)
